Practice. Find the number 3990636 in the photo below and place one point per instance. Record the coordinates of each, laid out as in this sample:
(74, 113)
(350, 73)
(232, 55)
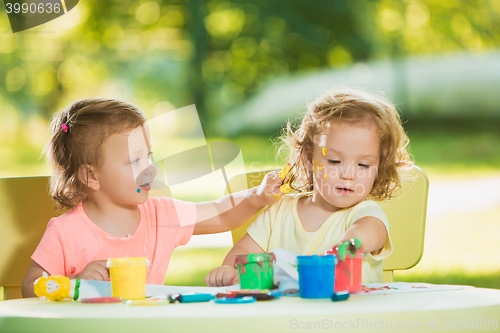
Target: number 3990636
(471, 324)
(27, 7)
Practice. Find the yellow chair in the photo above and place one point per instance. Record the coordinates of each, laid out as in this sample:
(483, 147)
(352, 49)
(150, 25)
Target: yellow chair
(25, 208)
(406, 216)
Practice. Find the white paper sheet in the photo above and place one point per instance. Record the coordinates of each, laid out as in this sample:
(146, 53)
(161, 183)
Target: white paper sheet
(90, 289)
(405, 287)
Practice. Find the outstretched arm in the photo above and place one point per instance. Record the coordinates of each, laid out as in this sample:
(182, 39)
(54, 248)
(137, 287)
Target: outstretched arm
(370, 231)
(227, 274)
(233, 210)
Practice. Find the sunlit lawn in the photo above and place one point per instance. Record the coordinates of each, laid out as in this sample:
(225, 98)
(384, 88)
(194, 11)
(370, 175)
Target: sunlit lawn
(453, 254)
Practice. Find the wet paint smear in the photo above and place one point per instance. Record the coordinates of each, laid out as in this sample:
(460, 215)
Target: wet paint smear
(323, 151)
(321, 166)
(285, 188)
(325, 176)
(367, 290)
(316, 166)
(138, 190)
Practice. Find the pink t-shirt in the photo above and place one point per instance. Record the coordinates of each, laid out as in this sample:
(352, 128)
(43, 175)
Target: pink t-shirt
(72, 240)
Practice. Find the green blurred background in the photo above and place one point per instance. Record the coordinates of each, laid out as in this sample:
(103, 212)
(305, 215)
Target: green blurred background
(248, 66)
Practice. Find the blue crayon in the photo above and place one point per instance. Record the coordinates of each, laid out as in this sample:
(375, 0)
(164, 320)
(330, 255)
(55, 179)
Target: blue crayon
(192, 298)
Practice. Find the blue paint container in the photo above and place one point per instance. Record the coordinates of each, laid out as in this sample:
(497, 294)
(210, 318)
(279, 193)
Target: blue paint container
(316, 276)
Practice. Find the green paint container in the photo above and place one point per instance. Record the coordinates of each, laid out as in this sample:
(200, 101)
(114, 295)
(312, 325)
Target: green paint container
(256, 270)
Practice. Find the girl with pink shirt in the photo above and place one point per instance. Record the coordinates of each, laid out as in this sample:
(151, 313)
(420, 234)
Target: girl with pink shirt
(100, 150)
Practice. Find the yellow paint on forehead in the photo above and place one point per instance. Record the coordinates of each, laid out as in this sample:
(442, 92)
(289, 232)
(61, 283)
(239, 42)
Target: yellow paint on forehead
(324, 151)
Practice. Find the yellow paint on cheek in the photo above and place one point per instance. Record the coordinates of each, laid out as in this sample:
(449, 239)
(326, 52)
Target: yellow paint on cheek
(325, 176)
(316, 166)
(323, 151)
(321, 166)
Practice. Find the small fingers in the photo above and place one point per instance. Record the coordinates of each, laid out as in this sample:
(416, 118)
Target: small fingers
(102, 273)
(228, 277)
(236, 278)
(207, 280)
(219, 279)
(210, 279)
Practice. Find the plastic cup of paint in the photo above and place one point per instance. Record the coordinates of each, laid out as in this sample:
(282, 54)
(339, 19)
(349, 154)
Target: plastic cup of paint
(128, 277)
(316, 276)
(256, 270)
(348, 272)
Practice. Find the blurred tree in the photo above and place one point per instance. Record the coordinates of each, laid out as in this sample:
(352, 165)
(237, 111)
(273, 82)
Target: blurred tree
(251, 42)
(217, 53)
(198, 36)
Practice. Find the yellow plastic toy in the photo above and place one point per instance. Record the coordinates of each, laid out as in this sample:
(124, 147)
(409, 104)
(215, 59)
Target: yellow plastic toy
(57, 287)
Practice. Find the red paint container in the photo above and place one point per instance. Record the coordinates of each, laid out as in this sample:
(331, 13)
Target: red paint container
(348, 271)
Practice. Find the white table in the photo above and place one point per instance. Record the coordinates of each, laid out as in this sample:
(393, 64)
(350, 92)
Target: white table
(425, 311)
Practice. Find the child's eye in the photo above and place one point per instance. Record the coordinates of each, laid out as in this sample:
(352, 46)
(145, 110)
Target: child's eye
(135, 161)
(334, 161)
(363, 165)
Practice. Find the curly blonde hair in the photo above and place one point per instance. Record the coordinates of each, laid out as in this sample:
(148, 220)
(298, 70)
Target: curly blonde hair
(77, 134)
(341, 106)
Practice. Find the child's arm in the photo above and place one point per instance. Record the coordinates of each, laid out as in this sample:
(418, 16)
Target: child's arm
(226, 274)
(34, 272)
(95, 270)
(233, 210)
(370, 231)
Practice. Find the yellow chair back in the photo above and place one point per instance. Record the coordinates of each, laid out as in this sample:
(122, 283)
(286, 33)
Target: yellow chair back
(406, 216)
(25, 208)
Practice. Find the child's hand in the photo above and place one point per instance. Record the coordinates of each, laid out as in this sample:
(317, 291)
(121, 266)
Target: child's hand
(269, 190)
(95, 270)
(222, 276)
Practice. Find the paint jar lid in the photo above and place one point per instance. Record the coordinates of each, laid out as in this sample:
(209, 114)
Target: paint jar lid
(128, 262)
(242, 259)
(317, 260)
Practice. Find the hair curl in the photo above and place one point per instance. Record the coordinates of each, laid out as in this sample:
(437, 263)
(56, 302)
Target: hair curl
(77, 134)
(341, 106)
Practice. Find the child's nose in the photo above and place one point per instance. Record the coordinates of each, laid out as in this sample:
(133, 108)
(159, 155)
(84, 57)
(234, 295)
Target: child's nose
(151, 170)
(347, 172)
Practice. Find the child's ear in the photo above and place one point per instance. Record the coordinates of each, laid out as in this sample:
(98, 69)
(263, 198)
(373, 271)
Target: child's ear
(88, 176)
